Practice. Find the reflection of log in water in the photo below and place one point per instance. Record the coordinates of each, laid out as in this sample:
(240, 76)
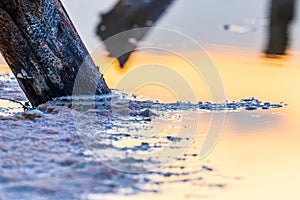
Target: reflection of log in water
(44, 51)
(126, 15)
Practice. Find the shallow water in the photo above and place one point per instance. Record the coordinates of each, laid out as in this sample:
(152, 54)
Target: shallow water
(135, 147)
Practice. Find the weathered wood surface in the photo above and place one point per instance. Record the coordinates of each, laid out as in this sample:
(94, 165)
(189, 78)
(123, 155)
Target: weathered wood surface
(44, 50)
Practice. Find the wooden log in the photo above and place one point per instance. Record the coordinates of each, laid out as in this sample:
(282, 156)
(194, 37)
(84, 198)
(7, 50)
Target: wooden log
(127, 15)
(282, 13)
(44, 51)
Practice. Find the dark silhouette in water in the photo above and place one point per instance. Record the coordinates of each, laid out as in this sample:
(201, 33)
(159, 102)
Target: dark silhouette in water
(281, 15)
(127, 15)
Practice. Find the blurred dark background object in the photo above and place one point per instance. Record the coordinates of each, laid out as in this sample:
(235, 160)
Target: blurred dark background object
(127, 15)
(281, 15)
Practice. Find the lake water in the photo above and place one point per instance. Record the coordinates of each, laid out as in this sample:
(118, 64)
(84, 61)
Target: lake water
(57, 152)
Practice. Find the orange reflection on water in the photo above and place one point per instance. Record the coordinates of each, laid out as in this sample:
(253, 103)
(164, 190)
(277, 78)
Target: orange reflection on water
(258, 155)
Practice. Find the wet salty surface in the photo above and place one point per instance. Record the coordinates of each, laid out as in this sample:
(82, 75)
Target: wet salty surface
(57, 152)
(42, 157)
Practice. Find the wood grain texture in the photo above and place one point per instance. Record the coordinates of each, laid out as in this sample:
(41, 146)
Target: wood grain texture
(45, 52)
